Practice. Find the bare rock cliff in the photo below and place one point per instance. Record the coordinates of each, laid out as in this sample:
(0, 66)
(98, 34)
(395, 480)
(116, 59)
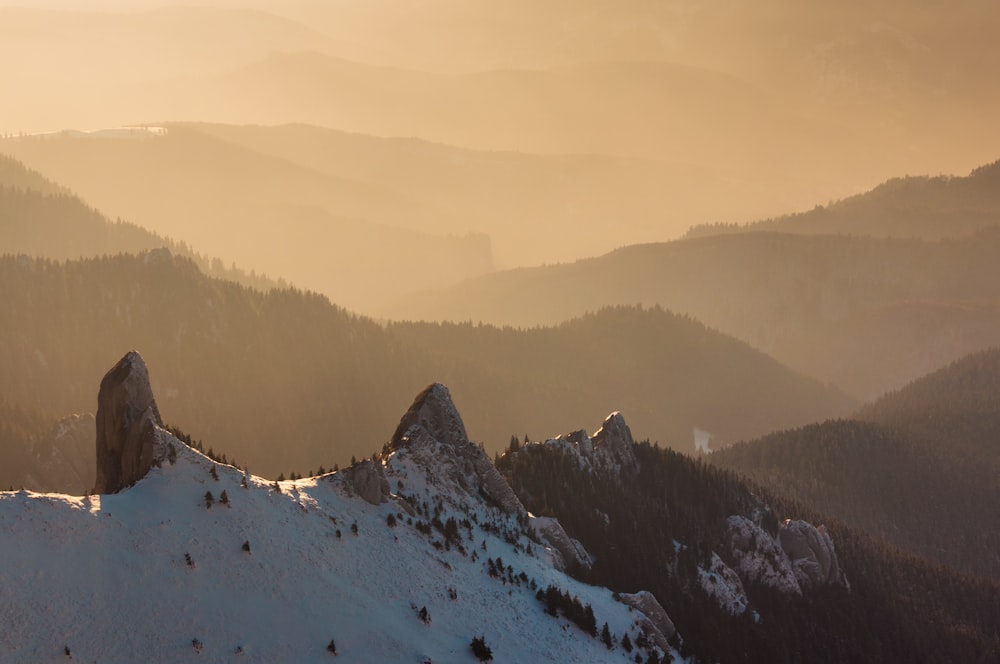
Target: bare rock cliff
(127, 421)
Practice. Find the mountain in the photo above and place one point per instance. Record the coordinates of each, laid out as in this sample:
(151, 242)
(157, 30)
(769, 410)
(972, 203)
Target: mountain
(536, 208)
(917, 467)
(727, 557)
(200, 559)
(41, 218)
(393, 558)
(930, 208)
(315, 369)
(866, 314)
(952, 410)
(933, 502)
(321, 232)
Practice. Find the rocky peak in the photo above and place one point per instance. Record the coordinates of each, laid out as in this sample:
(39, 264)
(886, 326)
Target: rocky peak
(433, 435)
(435, 412)
(127, 419)
(614, 441)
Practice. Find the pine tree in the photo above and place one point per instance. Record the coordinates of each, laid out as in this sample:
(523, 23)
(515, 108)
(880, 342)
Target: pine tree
(246, 546)
(214, 473)
(482, 651)
(332, 647)
(224, 498)
(209, 499)
(606, 636)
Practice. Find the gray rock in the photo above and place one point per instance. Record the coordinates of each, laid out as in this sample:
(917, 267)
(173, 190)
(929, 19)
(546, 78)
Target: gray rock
(432, 431)
(368, 481)
(811, 552)
(127, 421)
(658, 624)
(570, 551)
(614, 442)
(434, 410)
(758, 557)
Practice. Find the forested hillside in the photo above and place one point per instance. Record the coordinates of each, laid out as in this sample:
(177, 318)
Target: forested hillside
(937, 501)
(898, 608)
(931, 208)
(268, 377)
(866, 314)
(41, 218)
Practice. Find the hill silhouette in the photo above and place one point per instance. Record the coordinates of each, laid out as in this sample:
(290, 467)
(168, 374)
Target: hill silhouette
(322, 232)
(930, 208)
(313, 368)
(866, 314)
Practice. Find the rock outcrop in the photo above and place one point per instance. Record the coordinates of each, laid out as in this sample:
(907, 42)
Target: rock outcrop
(658, 625)
(811, 552)
(723, 584)
(613, 441)
(570, 553)
(127, 421)
(611, 448)
(758, 557)
(433, 432)
(368, 481)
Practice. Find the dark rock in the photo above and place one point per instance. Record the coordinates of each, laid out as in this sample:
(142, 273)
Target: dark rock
(127, 421)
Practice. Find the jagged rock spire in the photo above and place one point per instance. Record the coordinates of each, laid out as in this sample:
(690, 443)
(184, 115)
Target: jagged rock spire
(434, 410)
(127, 418)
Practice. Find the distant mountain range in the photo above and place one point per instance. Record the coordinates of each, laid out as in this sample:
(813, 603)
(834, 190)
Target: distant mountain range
(865, 313)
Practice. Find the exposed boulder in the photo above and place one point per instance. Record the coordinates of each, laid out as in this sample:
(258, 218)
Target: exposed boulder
(658, 625)
(569, 551)
(758, 557)
(368, 481)
(811, 552)
(127, 422)
(433, 434)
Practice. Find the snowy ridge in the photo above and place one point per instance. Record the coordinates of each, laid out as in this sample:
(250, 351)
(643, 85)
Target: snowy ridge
(161, 570)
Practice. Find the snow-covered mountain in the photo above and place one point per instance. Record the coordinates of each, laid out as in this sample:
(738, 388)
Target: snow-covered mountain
(406, 557)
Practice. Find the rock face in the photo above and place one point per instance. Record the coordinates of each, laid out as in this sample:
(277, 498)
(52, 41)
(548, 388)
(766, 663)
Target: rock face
(758, 557)
(434, 411)
(571, 552)
(614, 442)
(611, 448)
(127, 421)
(368, 481)
(811, 552)
(433, 432)
(658, 624)
(723, 584)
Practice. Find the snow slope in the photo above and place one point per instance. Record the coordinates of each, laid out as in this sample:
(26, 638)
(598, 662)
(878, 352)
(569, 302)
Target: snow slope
(106, 576)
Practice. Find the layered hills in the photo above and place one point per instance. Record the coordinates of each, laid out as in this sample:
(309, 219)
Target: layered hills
(865, 313)
(315, 369)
